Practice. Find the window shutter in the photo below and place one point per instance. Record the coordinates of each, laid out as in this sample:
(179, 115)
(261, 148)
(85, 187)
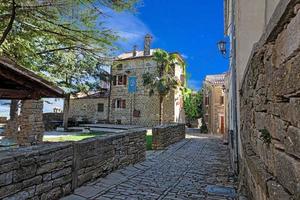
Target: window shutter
(113, 104)
(123, 103)
(125, 80)
(114, 80)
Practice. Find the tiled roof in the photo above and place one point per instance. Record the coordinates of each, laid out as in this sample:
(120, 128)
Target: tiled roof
(139, 54)
(217, 79)
(91, 95)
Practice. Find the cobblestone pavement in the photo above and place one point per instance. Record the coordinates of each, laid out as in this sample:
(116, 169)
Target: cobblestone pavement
(183, 171)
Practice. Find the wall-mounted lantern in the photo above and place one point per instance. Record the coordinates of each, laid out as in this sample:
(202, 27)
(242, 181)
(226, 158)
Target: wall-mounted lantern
(222, 47)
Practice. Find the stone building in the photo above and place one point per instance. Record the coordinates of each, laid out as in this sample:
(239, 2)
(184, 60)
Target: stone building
(92, 107)
(264, 96)
(130, 101)
(214, 103)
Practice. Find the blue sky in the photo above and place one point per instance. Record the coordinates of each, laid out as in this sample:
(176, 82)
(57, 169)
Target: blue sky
(191, 27)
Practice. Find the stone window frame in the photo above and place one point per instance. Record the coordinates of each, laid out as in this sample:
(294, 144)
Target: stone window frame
(119, 104)
(100, 108)
(117, 82)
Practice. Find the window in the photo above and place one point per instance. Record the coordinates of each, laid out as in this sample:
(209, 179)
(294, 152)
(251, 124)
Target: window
(222, 100)
(206, 100)
(119, 103)
(119, 80)
(119, 67)
(100, 107)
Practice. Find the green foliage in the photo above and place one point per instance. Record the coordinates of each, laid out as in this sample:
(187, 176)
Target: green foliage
(192, 104)
(65, 41)
(265, 136)
(162, 81)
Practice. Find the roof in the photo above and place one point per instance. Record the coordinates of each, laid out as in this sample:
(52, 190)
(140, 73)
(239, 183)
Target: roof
(217, 79)
(20, 83)
(91, 95)
(140, 54)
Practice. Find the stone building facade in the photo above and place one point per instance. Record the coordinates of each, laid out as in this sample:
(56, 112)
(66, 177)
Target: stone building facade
(92, 108)
(214, 104)
(268, 103)
(137, 107)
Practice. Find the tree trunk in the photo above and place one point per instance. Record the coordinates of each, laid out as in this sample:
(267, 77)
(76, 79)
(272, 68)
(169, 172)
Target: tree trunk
(161, 108)
(66, 111)
(10, 23)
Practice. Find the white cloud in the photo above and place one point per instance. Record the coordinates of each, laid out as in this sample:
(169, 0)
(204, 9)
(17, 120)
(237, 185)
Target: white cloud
(194, 84)
(129, 27)
(185, 56)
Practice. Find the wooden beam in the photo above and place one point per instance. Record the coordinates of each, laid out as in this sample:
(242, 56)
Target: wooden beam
(17, 94)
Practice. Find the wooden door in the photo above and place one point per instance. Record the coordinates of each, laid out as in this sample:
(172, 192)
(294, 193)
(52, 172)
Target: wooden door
(222, 130)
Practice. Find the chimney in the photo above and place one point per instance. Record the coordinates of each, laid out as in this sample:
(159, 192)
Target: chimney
(147, 45)
(134, 51)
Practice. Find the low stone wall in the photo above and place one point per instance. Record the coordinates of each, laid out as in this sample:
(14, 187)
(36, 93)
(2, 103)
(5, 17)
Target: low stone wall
(270, 110)
(52, 120)
(53, 170)
(165, 135)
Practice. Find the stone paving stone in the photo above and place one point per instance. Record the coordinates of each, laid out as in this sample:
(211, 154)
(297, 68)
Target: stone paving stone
(182, 171)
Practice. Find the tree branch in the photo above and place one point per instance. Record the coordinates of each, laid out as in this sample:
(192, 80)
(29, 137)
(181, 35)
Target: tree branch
(10, 24)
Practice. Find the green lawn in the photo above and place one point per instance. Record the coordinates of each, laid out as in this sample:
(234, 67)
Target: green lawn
(77, 137)
(149, 142)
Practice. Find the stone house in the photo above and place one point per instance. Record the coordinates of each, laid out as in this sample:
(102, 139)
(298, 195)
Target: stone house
(130, 101)
(264, 103)
(91, 107)
(214, 103)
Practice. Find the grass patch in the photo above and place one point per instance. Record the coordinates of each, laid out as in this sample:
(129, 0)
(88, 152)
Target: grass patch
(149, 142)
(75, 137)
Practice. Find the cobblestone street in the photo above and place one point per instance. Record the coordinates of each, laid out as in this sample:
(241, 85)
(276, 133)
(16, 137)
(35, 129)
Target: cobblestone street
(183, 171)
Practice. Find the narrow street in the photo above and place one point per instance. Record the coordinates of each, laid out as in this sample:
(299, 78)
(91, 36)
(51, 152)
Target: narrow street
(186, 170)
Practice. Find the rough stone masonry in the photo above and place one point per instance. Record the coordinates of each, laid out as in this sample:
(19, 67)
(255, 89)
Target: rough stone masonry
(50, 171)
(270, 110)
(166, 135)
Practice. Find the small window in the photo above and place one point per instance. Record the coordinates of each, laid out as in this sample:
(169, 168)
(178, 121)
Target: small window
(206, 100)
(119, 103)
(222, 100)
(120, 80)
(114, 80)
(119, 67)
(100, 107)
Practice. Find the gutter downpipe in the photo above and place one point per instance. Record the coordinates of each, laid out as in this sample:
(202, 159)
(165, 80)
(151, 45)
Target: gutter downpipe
(234, 88)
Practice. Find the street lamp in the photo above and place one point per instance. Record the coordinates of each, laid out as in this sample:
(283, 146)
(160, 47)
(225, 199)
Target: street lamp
(222, 47)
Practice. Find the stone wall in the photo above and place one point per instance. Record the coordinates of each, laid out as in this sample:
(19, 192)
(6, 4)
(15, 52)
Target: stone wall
(53, 170)
(165, 135)
(270, 110)
(52, 120)
(87, 109)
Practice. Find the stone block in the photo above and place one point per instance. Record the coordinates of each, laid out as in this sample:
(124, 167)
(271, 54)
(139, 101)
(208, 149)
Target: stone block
(6, 178)
(288, 42)
(278, 128)
(10, 189)
(287, 171)
(292, 141)
(276, 191)
(43, 187)
(24, 172)
(49, 167)
(33, 181)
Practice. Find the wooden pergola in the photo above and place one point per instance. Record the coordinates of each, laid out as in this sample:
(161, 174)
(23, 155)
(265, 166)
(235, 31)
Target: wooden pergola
(16, 82)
